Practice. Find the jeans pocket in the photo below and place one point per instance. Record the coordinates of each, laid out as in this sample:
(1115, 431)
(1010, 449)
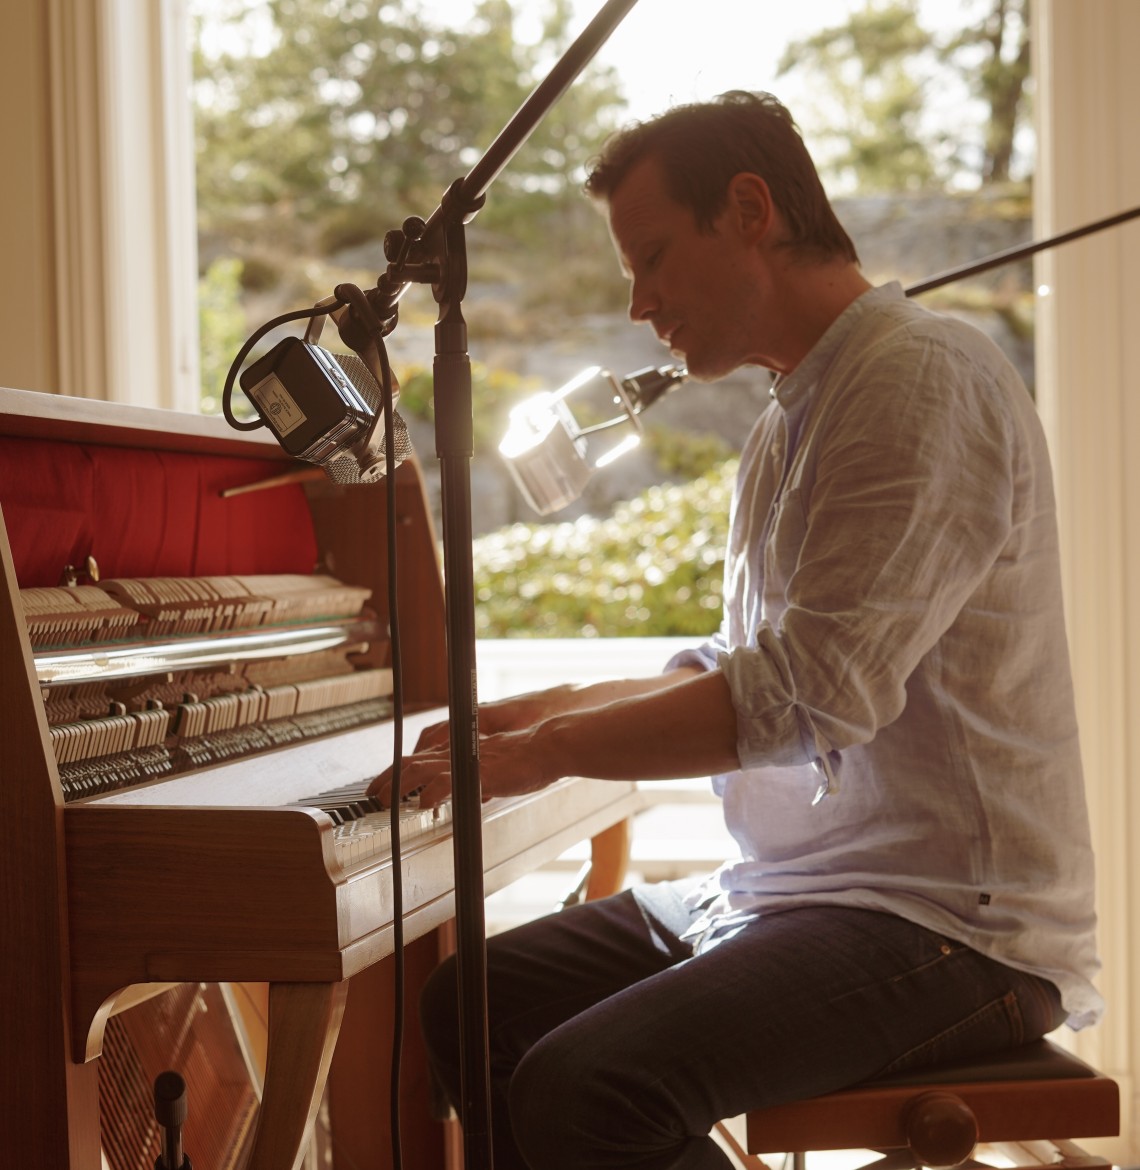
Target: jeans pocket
(994, 1026)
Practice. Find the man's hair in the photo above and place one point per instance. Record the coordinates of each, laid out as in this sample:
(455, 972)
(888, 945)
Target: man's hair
(702, 146)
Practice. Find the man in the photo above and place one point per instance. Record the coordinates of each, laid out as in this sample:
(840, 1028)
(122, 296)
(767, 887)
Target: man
(886, 711)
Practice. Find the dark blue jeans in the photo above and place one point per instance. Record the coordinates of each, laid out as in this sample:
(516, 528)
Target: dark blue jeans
(613, 1046)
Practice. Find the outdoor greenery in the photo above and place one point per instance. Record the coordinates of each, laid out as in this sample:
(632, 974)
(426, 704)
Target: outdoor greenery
(221, 327)
(877, 75)
(324, 123)
(493, 392)
(321, 124)
(653, 568)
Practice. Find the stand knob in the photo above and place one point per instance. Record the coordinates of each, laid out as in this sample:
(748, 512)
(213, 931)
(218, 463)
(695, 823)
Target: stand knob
(170, 1113)
(941, 1130)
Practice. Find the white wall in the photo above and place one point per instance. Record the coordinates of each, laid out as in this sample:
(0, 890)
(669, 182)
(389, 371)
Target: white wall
(99, 293)
(1088, 99)
(27, 285)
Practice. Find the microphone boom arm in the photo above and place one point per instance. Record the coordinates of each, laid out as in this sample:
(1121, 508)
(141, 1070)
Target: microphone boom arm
(1018, 252)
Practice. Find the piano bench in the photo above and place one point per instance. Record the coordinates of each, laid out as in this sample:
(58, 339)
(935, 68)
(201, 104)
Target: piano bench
(1037, 1094)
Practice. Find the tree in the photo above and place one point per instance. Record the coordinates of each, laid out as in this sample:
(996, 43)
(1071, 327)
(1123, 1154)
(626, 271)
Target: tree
(1003, 38)
(352, 114)
(873, 96)
(883, 108)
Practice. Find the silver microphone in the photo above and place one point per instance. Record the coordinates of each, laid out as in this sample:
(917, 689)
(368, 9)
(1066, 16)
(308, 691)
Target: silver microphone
(546, 450)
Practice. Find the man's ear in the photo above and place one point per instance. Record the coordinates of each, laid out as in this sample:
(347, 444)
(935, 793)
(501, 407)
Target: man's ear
(750, 205)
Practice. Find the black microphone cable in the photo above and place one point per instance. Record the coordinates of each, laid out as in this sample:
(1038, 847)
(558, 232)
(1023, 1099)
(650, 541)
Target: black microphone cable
(243, 353)
(374, 354)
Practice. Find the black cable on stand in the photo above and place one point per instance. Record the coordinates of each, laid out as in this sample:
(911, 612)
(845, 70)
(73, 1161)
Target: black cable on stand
(455, 449)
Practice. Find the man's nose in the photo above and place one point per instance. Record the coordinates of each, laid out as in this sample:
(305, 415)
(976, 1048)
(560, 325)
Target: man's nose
(641, 303)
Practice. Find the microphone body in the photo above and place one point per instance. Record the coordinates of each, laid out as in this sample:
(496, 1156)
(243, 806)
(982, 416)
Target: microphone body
(324, 408)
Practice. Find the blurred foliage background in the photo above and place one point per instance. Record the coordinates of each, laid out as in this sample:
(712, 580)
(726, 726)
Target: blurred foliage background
(655, 566)
(320, 124)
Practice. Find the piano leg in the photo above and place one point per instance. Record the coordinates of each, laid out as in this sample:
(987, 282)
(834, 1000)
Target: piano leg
(609, 859)
(304, 1020)
(360, 1079)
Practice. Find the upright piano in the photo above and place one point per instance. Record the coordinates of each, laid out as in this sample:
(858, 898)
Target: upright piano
(194, 651)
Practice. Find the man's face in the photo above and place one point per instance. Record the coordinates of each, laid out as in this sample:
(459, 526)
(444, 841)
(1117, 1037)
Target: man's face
(698, 290)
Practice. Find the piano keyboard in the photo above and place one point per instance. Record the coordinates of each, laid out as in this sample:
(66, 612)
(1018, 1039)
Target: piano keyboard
(108, 773)
(364, 826)
(330, 773)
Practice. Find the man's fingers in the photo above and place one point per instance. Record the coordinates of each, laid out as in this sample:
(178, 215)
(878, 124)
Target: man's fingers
(381, 787)
(433, 738)
(428, 774)
(434, 794)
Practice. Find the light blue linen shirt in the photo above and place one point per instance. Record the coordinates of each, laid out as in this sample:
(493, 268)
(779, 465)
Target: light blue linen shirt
(894, 642)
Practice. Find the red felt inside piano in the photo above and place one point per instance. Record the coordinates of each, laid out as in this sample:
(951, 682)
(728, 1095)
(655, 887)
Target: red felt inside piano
(147, 513)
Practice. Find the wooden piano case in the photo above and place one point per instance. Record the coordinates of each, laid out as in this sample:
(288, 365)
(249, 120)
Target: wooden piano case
(140, 490)
(190, 882)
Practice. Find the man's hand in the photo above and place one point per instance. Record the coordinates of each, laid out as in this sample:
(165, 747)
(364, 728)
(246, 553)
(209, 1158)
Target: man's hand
(504, 728)
(509, 765)
(513, 714)
(678, 724)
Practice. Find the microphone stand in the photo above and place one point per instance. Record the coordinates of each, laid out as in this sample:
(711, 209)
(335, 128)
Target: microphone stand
(434, 252)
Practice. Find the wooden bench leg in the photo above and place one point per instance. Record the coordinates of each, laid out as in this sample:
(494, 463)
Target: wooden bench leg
(304, 1021)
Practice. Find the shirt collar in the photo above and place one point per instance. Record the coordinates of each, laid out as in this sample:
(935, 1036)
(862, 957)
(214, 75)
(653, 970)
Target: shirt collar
(792, 391)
